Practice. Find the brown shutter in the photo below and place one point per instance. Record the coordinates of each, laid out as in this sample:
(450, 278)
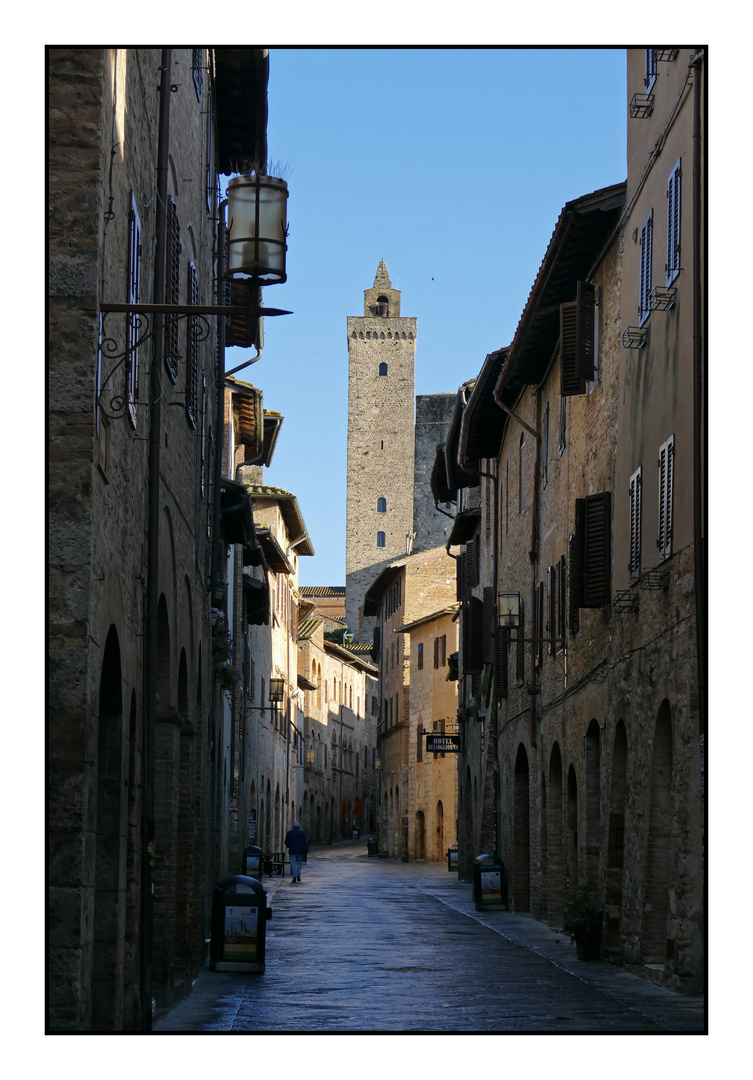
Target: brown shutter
(488, 644)
(584, 331)
(172, 289)
(571, 382)
(473, 631)
(520, 656)
(472, 552)
(500, 667)
(576, 564)
(193, 336)
(597, 550)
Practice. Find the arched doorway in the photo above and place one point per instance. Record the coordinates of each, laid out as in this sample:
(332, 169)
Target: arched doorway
(657, 863)
(554, 862)
(521, 895)
(111, 833)
(615, 845)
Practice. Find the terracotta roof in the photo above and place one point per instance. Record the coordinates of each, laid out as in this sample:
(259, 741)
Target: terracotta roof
(427, 618)
(291, 514)
(307, 627)
(322, 590)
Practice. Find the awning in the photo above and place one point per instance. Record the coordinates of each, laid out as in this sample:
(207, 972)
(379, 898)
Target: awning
(276, 558)
(241, 78)
(256, 594)
(306, 684)
(464, 526)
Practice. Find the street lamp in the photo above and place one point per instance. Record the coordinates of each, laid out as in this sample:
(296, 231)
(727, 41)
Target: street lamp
(508, 610)
(276, 690)
(257, 229)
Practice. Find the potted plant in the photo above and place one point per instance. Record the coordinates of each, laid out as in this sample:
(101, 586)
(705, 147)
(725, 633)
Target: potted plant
(583, 918)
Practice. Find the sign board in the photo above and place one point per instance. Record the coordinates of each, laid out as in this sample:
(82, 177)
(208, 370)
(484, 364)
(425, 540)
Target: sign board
(437, 743)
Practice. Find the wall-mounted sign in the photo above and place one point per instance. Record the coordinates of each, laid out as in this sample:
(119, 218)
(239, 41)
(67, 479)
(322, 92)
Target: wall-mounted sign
(436, 743)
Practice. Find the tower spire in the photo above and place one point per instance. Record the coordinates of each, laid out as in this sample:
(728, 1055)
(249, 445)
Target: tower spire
(382, 279)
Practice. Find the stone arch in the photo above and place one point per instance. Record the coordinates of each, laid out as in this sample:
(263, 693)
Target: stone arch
(183, 687)
(521, 878)
(658, 855)
(572, 831)
(110, 847)
(593, 799)
(616, 844)
(555, 877)
(277, 819)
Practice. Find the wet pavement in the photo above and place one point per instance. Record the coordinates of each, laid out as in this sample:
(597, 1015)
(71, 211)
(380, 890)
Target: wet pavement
(364, 944)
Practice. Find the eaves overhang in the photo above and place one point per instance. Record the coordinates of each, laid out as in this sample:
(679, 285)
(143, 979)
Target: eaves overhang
(464, 526)
(381, 583)
(440, 489)
(458, 477)
(580, 236)
(481, 424)
(241, 82)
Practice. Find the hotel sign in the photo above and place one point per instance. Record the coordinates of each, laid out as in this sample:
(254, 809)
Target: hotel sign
(437, 743)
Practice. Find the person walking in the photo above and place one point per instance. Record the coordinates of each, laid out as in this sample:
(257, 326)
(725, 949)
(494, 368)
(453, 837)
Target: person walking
(297, 844)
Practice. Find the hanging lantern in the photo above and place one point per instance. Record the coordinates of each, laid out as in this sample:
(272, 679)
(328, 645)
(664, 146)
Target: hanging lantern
(257, 229)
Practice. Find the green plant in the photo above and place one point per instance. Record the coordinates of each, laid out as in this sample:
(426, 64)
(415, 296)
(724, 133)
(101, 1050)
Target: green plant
(583, 914)
(227, 674)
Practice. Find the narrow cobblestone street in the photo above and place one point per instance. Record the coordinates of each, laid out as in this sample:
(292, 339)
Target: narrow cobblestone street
(368, 945)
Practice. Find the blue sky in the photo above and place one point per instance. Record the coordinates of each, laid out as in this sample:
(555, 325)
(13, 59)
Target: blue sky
(452, 165)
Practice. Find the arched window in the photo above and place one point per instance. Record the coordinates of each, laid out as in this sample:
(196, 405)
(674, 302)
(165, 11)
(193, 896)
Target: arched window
(522, 476)
(380, 539)
(381, 506)
(383, 368)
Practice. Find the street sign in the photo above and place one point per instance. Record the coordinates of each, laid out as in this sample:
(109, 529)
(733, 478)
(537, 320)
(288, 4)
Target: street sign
(442, 744)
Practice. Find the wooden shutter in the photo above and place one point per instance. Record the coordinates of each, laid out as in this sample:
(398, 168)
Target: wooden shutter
(551, 592)
(571, 383)
(645, 268)
(471, 569)
(635, 491)
(674, 191)
(488, 624)
(473, 631)
(436, 652)
(172, 289)
(133, 292)
(576, 565)
(520, 652)
(666, 485)
(562, 603)
(193, 334)
(584, 330)
(500, 666)
(597, 550)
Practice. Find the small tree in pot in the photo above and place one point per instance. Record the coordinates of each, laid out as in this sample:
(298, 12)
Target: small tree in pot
(583, 919)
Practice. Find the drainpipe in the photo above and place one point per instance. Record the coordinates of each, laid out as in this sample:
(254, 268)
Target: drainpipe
(699, 538)
(152, 568)
(493, 725)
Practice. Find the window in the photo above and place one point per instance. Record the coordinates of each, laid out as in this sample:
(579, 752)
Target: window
(419, 742)
(382, 369)
(198, 71)
(650, 69)
(380, 539)
(563, 427)
(674, 187)
(132, 293)
(421, 657)
(381, 506)
(522, 476)
(634, 561)
(545, 448)
(644, 304)
(666, 484)
(440, 651)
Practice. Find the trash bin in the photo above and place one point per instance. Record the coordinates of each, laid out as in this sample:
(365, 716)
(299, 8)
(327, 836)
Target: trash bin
(239, 923)
(489, 883)
(372, 846)
(452, 857)
(251, 864)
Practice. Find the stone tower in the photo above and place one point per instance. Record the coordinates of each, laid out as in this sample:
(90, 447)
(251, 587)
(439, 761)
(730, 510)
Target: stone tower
(381, 442)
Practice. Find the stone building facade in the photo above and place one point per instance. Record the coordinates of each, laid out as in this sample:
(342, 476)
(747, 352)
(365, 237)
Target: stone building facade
(406, 590)
(582, 569)
(432, 776)
(338, 795)
(135, 784)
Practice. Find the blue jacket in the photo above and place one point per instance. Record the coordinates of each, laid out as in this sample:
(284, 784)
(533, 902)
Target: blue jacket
(296, 842)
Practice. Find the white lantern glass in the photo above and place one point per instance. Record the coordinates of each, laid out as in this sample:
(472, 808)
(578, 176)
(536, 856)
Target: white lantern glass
(508, 610)
(257, 215)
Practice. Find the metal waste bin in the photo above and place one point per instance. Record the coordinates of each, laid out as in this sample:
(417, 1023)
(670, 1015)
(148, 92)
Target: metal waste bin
(239, 923)
(372, 845)
(452, 857)
(489, 883)
(251, 866)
